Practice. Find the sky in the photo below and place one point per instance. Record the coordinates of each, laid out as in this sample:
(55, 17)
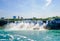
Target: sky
(29, 8)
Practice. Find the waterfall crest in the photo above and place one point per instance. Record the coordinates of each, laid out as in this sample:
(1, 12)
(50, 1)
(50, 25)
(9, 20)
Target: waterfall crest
(25, 26)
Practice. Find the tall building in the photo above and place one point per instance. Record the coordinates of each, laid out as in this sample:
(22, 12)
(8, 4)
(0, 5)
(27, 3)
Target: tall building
(21, 17)
(18, 17)
(14, 17)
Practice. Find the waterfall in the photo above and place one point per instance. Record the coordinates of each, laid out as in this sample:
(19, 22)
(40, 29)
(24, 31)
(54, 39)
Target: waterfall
(25, 25)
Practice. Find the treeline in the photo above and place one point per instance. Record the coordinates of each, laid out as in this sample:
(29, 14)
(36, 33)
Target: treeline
(34, 18)
(49, 18)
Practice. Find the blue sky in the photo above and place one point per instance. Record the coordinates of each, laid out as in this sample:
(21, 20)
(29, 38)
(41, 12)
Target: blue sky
(29, 8)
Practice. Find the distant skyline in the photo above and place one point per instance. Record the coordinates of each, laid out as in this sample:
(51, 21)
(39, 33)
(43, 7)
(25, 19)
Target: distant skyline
(29, 8)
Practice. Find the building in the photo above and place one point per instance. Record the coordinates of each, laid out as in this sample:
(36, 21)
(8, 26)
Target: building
(14, 17)
(18, 17)
(2, 18)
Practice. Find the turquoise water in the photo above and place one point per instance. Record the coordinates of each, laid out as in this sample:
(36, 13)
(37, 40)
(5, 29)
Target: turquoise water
(47, 35)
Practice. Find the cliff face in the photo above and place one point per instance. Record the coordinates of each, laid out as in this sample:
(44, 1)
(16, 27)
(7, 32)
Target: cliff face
(54, 24)
(3, 22)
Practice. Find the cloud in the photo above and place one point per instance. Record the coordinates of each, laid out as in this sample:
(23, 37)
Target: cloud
(48, 3)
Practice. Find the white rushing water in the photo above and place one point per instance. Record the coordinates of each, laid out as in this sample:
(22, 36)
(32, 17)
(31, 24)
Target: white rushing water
(25, 26)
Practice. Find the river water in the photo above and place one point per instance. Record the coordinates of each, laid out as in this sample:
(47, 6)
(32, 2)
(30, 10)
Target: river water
(43, 35)
(13, 32)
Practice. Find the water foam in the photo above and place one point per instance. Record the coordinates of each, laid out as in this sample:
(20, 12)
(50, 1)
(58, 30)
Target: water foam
(25, 26)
